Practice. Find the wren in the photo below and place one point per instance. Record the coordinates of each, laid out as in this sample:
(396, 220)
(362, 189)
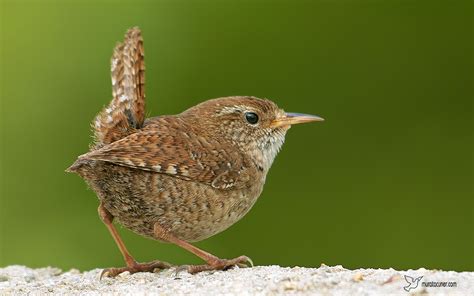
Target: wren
(178, 178)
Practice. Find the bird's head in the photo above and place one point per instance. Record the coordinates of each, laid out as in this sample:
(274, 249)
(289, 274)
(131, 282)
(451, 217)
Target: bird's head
(256, 126)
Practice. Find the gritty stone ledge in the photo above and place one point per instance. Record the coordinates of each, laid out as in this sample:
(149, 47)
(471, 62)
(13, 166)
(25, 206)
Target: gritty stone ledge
(260, 280)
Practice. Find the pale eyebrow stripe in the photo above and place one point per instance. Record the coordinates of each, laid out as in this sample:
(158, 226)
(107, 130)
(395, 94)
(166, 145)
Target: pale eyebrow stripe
(233, 109)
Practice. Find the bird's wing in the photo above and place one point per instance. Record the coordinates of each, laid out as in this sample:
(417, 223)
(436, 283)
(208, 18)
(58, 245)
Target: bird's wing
(126, 112)
(409, 279)
(181, 154)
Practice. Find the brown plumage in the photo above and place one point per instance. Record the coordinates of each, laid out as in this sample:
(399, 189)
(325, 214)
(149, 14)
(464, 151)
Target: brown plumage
(126, 111)
(178, 178)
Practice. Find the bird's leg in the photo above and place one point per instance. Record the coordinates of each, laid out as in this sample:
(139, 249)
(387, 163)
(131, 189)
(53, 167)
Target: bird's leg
(213, 262)
(132, 265)
(108, 219)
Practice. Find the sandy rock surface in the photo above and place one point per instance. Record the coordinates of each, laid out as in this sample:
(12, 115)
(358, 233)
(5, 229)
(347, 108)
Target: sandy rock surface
(260, 280)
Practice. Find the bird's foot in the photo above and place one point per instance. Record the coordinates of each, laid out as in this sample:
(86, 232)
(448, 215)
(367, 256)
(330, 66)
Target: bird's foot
(218, 264)
(134, 268)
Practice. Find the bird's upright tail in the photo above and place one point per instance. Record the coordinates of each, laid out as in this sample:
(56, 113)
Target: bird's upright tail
(126, 112)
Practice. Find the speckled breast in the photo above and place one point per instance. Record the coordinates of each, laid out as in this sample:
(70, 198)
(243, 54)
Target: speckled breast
(191, 211)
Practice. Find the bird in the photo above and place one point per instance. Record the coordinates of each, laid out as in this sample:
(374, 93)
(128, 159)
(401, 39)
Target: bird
(412, 282)
(178, 178)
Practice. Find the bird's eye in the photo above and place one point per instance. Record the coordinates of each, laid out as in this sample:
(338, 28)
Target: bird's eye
(251, 117)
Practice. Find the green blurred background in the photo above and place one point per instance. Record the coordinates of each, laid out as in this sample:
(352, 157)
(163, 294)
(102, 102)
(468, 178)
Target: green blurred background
(385, 181)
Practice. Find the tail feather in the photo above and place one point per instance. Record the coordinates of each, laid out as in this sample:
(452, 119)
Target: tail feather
(126, 111)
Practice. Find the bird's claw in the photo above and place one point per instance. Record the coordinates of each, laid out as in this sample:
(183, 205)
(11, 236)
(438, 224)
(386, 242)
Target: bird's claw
(247, 260)
(219, 264)
(112, 272)
(138, 267)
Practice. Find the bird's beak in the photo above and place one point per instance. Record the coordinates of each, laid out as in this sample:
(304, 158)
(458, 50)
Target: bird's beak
(295, 118)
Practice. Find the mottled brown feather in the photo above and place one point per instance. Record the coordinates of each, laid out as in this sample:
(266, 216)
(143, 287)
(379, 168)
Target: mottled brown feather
(126, 111)
(172, 149)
